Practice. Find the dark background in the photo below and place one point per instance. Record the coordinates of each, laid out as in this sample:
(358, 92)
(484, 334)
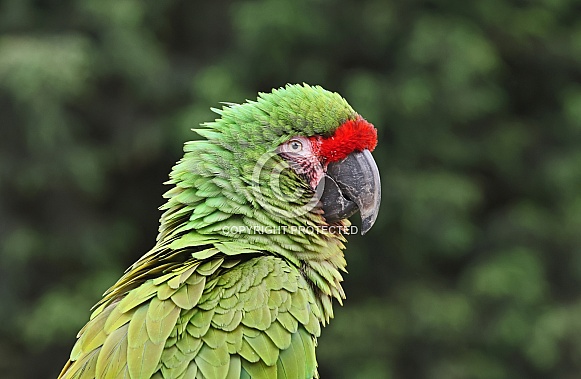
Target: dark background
(473, 269)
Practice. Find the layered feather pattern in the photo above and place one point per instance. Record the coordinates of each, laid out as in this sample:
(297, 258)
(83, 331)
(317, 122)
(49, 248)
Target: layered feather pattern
(217, 319)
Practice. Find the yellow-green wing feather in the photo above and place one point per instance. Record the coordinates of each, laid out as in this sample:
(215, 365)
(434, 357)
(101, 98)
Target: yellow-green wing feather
(220, 318)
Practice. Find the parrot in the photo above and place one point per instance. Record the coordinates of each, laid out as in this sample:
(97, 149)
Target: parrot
(249, 257)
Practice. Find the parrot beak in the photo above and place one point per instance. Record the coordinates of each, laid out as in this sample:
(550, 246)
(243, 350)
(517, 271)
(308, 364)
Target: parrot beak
(352, 184)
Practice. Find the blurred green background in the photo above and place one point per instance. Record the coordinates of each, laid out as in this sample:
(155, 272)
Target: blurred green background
(473, 269)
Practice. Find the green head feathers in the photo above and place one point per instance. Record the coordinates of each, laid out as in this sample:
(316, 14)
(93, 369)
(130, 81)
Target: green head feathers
(221, 171)
(294, 110)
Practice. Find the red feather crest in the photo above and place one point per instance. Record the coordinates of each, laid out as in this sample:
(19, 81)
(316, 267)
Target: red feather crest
(352, 135)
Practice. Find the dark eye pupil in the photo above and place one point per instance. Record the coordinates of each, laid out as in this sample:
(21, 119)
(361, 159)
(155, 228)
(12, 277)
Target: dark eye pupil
(295, 146)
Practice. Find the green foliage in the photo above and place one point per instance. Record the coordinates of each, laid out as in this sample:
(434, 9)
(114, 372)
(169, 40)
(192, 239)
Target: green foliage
(473, 269)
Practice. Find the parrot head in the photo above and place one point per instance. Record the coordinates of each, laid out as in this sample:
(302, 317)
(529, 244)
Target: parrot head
(298, 156)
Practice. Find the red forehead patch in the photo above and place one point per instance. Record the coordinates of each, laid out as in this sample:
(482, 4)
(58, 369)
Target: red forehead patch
(352, 135)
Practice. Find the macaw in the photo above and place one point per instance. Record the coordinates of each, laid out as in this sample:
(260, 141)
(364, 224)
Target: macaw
(249, 254)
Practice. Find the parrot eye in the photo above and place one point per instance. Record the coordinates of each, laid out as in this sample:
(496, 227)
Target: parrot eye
(295, 146)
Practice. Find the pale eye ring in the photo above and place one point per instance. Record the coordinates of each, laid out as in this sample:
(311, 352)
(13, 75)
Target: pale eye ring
(295, 146)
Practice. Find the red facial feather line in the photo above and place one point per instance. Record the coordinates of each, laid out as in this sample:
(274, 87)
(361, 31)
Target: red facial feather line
(352, 135)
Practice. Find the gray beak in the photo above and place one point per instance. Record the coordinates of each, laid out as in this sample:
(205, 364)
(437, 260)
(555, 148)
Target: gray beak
(352, 185)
